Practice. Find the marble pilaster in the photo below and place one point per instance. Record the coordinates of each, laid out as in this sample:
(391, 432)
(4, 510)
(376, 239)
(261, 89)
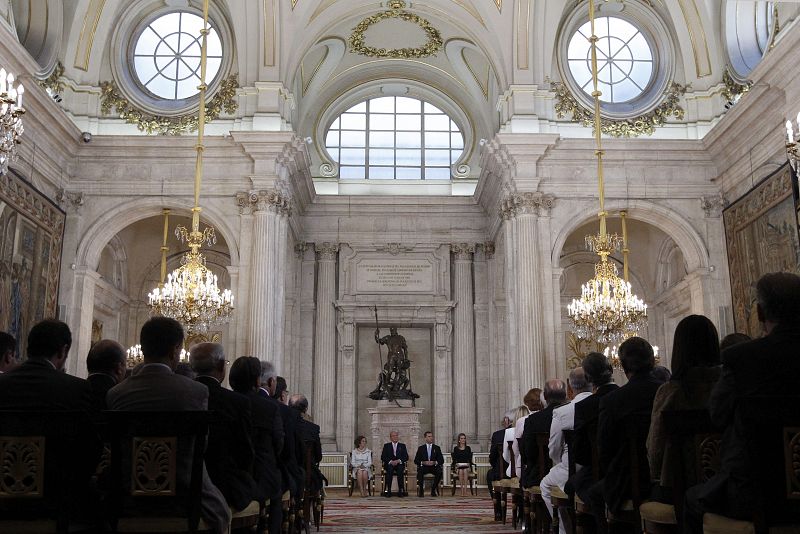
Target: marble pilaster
(442, 375)
(464, 388)
(325, 342)
(483, 357)
(86, 280)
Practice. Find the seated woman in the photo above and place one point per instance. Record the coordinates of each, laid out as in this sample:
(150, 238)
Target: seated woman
(695, 370)
(462, 462)
(361, 463)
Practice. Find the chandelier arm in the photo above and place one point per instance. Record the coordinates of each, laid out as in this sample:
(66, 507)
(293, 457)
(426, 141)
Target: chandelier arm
(596, 93)
(164, 249)
(623, 214)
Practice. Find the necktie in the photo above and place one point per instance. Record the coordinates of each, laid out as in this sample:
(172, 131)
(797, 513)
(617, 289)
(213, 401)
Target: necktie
(394, 447)
(429, 452)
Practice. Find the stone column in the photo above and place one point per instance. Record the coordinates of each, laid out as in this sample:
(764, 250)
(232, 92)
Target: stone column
(267, 273)
(85, 284)
(325, 342)
(442, 376)
(346, 380)
(510, 376)
(464, 389)
(305, 326)
(483, 355)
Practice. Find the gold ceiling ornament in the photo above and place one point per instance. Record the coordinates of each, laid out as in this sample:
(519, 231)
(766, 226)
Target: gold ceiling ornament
(734, 89)
(224, 99)
(396, 11)
(608, 311)
(190, 294)
(53, 83)
(646, 124)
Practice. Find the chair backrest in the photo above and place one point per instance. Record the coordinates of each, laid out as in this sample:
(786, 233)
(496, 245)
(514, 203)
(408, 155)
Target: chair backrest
(37, 455)
(569, 438)
(157, 463)
(636, 427)
(771, 428)
(543, 461)
(696, 443)
(500, 465)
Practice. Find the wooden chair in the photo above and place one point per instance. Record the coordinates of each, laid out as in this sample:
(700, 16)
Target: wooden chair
(583, 519)
(563, 504)
(151, 453)
(383, 479)
(429, 477)
(636, 427)
(499, 476)
(508, 484)
(37, 486)
(696, 442)
(473, 476)
(538, 517)
(313, 500)
(771, 428)
(351, 481)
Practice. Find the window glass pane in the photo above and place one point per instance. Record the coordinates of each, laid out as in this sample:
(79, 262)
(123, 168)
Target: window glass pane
(354, 121)
(382, 105)
(187, 88)
(409, 139)
(146, 44)
(335, 124)
(409, 157)
(354, 139)
(381, 173)
(408, 105)
(381, 122)
(381, 139)
(408, 173)
(430, 108)
(381, 156)
(457, 140)
(409, 122)
(437, 122)
(437, 173)
(437, 140)
(145, 68)
(352, 156)
(454, 155)
(361, 108)
(352, 173)
(437, 157)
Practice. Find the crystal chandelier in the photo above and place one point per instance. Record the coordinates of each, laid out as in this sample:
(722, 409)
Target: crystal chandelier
(135, 356)
(11, 112)
(612, 353)
(190, 294)
(608, 311)
(791, 144)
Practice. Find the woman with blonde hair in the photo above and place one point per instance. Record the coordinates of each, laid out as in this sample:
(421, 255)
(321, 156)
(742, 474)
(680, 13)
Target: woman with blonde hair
(511, 435)
(361, 464)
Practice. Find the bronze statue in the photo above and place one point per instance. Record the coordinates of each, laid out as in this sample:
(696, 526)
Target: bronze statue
(394, 382)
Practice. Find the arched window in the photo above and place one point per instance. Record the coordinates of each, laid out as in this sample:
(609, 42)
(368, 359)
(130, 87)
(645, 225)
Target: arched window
(394, 137)
(749, 28)
(166, 55)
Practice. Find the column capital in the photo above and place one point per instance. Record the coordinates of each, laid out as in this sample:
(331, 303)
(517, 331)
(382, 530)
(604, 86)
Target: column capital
(488, 249)
(263, 200)
(462, 251)
(300, 248)
(70, 201)
(530, 203)
(327, 251)
(713, 205)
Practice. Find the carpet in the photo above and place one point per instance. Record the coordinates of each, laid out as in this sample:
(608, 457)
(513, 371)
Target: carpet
(411, 515)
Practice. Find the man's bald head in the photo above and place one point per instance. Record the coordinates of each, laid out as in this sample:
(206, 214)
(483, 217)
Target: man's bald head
(208, 359)
(107, 357)
(578, 382)
(555, 390)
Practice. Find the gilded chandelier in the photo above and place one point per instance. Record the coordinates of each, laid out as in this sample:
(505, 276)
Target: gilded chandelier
(608, 311)
(190, 294)
(11, 112)
(791, 144)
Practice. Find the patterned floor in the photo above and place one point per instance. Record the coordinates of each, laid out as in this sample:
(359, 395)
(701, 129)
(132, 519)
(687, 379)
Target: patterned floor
(410, 515)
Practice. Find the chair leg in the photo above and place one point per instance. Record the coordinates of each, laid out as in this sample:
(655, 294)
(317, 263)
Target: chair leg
(504, 506)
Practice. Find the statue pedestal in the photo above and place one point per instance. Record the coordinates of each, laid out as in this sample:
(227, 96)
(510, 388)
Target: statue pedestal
(395, 415)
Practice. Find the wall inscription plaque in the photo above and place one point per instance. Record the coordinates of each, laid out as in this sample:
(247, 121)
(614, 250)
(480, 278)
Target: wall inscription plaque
(394, 276)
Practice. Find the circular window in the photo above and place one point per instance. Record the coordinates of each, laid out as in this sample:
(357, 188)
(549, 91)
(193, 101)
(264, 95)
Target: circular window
(166, 55)
(394, 137)
(624, 59)
(749, 29)
(634, 58)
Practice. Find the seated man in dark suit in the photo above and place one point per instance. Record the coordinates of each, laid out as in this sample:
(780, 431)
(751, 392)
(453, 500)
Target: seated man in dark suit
(156, 387)
(555, 394)
(293, 472)
(496, 451)
(599, 372)
(309, 433)
(394, 457)
(229, 454)
(429, 459)
(39, 384)
(8, 352)
(106, 366)
(635, 397)
(246, 377)
(761, 367)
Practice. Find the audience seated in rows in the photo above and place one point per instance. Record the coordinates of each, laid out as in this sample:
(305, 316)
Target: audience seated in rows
(248, 377)
(600, 374)
(292, 472)
(765, 366)
(578, 389)
(229, 453)
(157, 388)
(695, 366)
(106, 365)
(555, 394)
(635, 397)
(8, 352)
(309, 434)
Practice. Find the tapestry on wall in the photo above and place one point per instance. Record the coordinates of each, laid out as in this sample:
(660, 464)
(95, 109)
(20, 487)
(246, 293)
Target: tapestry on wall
(30, 256)
(762, 237)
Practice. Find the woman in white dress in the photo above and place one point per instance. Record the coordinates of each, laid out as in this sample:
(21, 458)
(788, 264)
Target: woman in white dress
(361, 463)
(510, 435)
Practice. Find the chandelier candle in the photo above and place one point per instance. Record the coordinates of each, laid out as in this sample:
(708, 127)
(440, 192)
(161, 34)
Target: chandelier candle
(11, 112)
